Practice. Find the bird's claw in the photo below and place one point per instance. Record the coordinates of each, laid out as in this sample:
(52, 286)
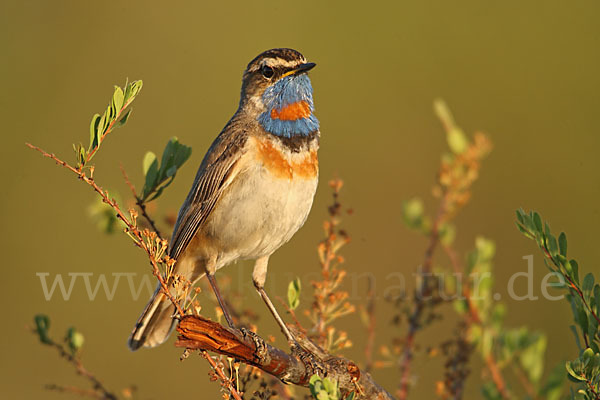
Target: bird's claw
(261, 347)
(312, 363)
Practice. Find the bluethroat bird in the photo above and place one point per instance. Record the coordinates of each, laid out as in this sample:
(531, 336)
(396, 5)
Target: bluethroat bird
(253, 190)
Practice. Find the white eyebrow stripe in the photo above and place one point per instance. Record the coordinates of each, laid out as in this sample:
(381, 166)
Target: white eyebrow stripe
(277, 62)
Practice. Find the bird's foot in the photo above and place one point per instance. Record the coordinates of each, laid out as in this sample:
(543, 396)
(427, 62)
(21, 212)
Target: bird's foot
(312, 362)
(260, 353)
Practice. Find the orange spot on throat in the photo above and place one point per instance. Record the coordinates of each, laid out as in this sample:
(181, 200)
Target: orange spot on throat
(292, 112)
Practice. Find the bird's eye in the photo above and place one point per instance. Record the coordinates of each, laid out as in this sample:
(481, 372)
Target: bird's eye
(267, 71)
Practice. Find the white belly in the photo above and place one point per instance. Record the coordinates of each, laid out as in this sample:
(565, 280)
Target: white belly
(258, 213)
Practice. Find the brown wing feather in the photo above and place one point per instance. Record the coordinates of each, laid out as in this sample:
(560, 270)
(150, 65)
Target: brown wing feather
(212, 178)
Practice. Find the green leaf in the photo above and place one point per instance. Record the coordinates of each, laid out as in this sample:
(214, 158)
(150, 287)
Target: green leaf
(42, 324)
(93, 129)
(572, 369)
(457, 140)
(537, 220)
(552, 245)
(524, 231)
(149, 159)
(117, 100)
(562, 244)
(520, 214)
(124, 118)
(575, 268)
(413, 213)
(159, 176)
(74, 340)
(293, 293)
(587, 286)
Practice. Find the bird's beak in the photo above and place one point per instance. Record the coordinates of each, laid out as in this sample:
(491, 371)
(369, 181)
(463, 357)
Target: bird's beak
(300, 69)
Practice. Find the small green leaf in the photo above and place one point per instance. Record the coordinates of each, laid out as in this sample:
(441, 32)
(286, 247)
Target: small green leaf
(537, 220)
(149, 159)
(124, 118)
(520, 213)
(293, 293)
(575, 268)
(42, 324)
(552, 245)
(94, 128)
(117, 99)
(562, 244)
(573, 373)
(587, 286)
(159, 176)
(457, 140)
(74, 340)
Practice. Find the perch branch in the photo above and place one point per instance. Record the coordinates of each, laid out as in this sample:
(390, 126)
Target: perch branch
(198, 333)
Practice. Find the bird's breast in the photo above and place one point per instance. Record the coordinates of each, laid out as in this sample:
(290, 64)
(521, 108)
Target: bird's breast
(284, 163)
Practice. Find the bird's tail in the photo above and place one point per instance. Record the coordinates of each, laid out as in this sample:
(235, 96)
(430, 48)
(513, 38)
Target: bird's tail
(155, 324)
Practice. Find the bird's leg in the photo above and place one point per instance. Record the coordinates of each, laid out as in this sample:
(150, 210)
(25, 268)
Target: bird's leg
(311, 360)
(215, 288)
(259, 275)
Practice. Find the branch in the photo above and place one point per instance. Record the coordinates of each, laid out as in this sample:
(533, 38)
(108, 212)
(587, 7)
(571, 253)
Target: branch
(475, 318)
(420, 302)
(153, 245)
(139, 202)
(99, 390)
(131, 230)
(198, 333)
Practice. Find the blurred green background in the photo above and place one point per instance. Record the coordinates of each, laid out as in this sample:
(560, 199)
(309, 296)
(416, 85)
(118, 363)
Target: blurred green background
(525, 72)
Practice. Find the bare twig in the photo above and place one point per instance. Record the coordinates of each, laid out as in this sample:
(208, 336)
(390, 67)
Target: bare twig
(474, 318)
(75, 390)
(98, 389)
(139, 202)
(131, 229)
(421, 294)
(140, 240)
(224, 379)
(371, 324)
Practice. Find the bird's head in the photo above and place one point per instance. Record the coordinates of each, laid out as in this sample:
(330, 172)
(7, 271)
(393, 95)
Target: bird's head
(277, 89)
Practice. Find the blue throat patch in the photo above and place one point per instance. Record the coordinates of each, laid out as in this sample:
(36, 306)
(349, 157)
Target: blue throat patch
(285, 92)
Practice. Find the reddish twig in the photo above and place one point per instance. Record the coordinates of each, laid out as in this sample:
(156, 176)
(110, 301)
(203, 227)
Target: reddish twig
(131, 229)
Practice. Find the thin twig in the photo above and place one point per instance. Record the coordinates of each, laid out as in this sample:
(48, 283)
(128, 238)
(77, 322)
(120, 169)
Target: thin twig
(474, 318)
(97, 386)
(131, 228)
(236, 395)
(75, 390)
(371, 324)
(420, 296)
(139, 202)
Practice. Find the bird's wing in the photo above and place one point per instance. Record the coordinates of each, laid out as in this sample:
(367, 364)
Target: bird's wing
(217, 171)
